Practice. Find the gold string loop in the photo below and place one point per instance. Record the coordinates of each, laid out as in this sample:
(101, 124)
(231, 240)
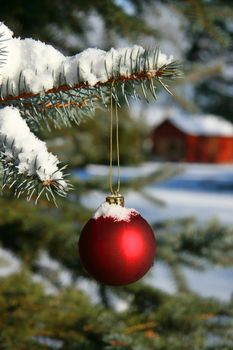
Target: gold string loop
(117, 191)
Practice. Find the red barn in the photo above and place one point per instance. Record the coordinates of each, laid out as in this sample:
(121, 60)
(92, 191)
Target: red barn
(206, 139)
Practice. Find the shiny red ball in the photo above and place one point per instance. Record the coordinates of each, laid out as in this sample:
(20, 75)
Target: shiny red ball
(117, 252)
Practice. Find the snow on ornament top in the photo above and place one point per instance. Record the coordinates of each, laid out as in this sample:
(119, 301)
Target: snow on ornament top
(117, 212)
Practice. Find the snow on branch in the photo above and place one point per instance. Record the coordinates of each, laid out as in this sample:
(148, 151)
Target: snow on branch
(40, 85)
(39, 79)
(33, 67)
(5, 34)
(27, 164)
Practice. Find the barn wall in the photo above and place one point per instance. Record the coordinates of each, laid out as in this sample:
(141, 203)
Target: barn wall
(191, 149)
(209, 149)
(225, 153)
(214, 149)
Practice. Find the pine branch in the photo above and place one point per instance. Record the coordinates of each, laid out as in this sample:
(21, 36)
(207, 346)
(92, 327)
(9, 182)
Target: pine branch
(70, 88)
(190, 245)
(66, 104)
(46, 87)
(27, 165)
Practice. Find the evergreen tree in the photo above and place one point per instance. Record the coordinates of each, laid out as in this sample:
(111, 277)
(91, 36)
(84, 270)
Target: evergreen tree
(44, 314)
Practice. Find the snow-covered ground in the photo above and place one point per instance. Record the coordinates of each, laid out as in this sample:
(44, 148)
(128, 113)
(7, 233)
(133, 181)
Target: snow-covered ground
(202, 191)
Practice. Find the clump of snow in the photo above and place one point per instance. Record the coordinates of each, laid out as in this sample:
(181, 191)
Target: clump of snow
(5, 32)
(28, 153)
(163, 59)
(32, 66)
(94, 65)
(117, 212)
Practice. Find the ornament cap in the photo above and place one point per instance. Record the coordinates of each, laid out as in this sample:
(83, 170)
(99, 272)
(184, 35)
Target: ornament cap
(116, 199)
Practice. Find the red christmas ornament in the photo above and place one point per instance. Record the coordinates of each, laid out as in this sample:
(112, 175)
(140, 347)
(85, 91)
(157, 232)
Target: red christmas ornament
(117, 247)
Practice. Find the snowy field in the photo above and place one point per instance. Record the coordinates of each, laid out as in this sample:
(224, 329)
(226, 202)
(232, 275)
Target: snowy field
(202, 191)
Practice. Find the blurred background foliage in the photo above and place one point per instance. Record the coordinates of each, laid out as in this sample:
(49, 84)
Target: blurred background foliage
(48, 303)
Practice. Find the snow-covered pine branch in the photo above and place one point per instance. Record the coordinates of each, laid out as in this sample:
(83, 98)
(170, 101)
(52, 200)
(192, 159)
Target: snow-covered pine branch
(45, 84)
(33, 67)
(27, 164)
(40, 84)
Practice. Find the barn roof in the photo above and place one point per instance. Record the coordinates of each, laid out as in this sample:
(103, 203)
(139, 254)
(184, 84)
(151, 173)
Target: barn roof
(208, 125)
